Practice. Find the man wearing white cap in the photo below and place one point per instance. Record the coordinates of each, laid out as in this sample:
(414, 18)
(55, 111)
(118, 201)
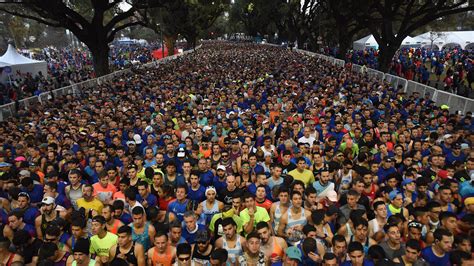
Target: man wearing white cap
(210, 206)
(48, 208)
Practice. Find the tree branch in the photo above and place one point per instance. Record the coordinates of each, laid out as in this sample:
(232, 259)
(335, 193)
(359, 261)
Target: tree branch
(111, 35)
(31, 17)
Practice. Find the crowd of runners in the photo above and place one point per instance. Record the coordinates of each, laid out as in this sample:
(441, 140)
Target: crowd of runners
(238, 154)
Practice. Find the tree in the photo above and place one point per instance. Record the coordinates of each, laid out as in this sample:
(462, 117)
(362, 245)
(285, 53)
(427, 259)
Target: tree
(94, 22)
(392, 21)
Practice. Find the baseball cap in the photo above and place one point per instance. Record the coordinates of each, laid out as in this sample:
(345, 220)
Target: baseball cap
(181, 153)
(138, 139)
(392, 195)
(206, 128)
(443, 174)
(82, 245)
(332, 195)
(447, 136)
(47, 200)
(20, 159)
(407, 181)
(25, 173)
(469, 201)
(130, 166)
(131, 142)
(99, 218)
(294, 253)
(4, 164)
(415, 224)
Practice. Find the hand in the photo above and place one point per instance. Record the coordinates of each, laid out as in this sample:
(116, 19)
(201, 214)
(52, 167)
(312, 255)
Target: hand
(314, 257)
(104, 259)
(251, 212)
(145, 203)
(275, 259)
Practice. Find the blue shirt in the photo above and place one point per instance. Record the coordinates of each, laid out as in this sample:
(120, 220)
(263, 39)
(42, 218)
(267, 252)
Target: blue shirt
(29, 215)
(125, 218)
(178, 208)
(206, 178)
(366, 263)
(432, 259)
(36, 194)
(150, 199)
(197, 195)
(190, 237)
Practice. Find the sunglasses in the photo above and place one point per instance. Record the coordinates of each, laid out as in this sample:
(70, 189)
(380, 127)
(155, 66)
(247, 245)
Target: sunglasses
(49, 239)
(184, 258)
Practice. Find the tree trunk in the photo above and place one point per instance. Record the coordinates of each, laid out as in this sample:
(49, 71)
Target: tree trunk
(100, 58)
(345, 41)
(170, 42)
(386, 53)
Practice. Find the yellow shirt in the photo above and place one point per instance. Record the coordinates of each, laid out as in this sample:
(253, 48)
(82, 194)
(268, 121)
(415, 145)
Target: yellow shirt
(101, 246)
(95, 204)
(306, 176)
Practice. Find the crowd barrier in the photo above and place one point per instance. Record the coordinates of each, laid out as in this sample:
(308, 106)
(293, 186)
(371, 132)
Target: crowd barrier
(454, 101)
(10, 109)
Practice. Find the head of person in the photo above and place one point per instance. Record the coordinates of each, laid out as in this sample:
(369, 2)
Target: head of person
(296, 199)
(361, 228)
(190, 220)
(143, 188)
(293, 256)
(249, 200)
(229, 226)
(393, 233)
(412, 250)
(138, 216)
(183, 254)
(181, 192)
(253, 243)
(376, 253)
(219, 257)
(98, 225)
(81, 252)
(329, 259)
(356, 253)
(414, 230)
(352, 198)
(124, 234)
(47, 251)
(202, 240)
(15, 220)
(77, 227)
(175, 231)
(449, 221)
(161, 241)
(443, 240)
(380, 209)
(264, 232)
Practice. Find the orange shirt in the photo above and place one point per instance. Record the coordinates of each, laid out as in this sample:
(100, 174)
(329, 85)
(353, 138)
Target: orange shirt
(104, 194)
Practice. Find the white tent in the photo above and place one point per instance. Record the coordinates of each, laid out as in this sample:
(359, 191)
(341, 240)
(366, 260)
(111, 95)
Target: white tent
(410, 42)
(364, 43)
(18, 62)
(446, 38)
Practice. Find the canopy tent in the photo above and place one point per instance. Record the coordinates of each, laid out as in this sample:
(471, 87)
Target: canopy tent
(20, 63)
(442, 39)
(410, 42)
(364, 43)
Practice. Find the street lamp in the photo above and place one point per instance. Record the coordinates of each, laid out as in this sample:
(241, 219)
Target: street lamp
(162, 41)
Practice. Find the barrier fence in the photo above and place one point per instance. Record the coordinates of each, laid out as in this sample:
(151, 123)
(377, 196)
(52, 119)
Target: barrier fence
(454, 101)
(75, 90)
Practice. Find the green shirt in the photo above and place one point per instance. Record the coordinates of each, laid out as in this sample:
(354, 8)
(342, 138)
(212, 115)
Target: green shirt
(261, 215)
(306, 176)
(101, 246)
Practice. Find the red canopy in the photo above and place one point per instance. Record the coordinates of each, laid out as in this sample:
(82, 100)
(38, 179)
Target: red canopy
(157, 54)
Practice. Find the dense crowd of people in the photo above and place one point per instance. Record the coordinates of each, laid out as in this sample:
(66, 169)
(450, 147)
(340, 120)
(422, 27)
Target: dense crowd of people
(67, 66)
(426, 66)
(238, 154)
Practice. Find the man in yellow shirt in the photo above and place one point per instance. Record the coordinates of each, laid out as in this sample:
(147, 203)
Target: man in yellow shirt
(101, 241)
(89, 202)
(301, 173)
(252, 214)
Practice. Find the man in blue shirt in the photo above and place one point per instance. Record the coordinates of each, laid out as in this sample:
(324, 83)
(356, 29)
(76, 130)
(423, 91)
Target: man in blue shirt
(438, 253)
(179, 206)
(356, 254)
(144, 196)
(191, 227)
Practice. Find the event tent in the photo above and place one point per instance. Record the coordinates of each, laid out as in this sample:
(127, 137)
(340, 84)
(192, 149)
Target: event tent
(463, 39)
(18, 62)
(365, 43)
(410, 42)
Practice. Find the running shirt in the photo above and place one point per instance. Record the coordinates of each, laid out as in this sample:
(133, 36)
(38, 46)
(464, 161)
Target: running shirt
(101, 246)
(296, 235)
(165, 259)
(234, 252)
(208, 213)
(142, 238)
(129, 256)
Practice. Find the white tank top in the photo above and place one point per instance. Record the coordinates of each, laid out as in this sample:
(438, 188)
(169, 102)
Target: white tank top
(234, 252)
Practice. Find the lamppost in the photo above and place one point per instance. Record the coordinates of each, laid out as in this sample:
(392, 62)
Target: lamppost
(162, 41)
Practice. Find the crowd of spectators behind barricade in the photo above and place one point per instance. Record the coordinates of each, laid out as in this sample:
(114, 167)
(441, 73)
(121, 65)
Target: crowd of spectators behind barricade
(67, 66)
(450, 69)
(238, 154)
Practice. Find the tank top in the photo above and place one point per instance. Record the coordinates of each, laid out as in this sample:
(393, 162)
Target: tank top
(277, 248)
(164, 259)
(297, 235)
(371, 194)
(375, 225)
(142, 238)
(200, 258)
(165, 225)
(366, 245)
(74, 195)
(44, 223)
(277, 217)
(115, 227)
(234, 252)
(63, 260)
(130, 255)
(208, 213)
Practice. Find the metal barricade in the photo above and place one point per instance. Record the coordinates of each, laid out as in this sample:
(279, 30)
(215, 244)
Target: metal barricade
(356, 68)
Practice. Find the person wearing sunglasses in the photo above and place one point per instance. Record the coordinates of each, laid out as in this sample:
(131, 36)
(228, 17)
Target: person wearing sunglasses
(202, 249)
(183, 255)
